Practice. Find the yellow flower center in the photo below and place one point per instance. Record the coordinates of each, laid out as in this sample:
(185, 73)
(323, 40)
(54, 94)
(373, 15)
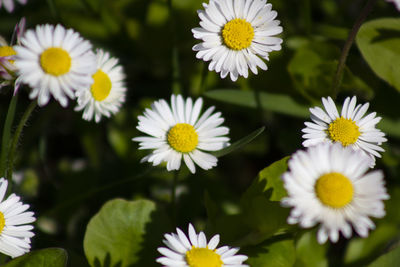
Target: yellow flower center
(344, 130)
(2, 222)
(55, 61)
(238, 34)
(101, 86)
(334, 190)
(183, 137)
(6, 51)
(203, 257)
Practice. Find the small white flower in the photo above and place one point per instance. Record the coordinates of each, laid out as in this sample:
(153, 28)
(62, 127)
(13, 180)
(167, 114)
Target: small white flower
(195, 251)
(329, 184)
(179, 131)
(351, 128)
(56, 61)
(236, 34)
(9, 4)
(15, 230)
(396, 3)
(7, 56)
(107, 93)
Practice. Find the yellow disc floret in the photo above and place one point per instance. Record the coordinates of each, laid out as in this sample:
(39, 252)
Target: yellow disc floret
(334, 190)
(238, 34)
(344, 130)
(183, 137)
(101, 86)
(203, 257)
(2, 222)
(55, 61)
(6, 51)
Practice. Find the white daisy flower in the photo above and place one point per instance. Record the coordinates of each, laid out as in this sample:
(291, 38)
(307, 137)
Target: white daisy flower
(195, 251)
(236, 34)
(107, 93)
(7, 55)
(15, 230)
(351, 128)
(178, 131)
(329, 184)
(396, 3)
(56, 61)
(9, 4)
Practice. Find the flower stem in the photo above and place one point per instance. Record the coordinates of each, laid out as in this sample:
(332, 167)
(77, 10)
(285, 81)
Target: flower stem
(5, 144)
(349, 42)
(176, 77)
(173, 196)
(14, 142)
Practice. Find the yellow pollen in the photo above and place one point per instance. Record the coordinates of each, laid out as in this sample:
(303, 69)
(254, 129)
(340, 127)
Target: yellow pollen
(55, 61)
(101, 86)
(6, 51)
(334, 190)
(203, 257)
(183, 137)
(2, 222)
(238, 34)
(344, 130)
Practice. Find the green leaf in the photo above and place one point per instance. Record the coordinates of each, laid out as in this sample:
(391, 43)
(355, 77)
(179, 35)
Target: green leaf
(269, 182)
(309, 252)
(363, 249)
(125, 233)
(272, 253)
(379, 43)
(260, 204)
(389, 259)
(283, 104)
(48, 257)
(313, 67)
(239, 144)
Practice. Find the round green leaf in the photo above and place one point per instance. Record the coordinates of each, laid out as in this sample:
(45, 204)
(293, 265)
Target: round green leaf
(49, 257)
(125, 233)
(272, 253)
(379, 43)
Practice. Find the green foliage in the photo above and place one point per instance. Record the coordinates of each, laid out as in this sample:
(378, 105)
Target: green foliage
(277, 252)
(390, 259)
(283, 104)
(124, 233)
(379, 43)
(49, 257)
(309, 253)
(313, 67)
(261, 202)
(239, 144)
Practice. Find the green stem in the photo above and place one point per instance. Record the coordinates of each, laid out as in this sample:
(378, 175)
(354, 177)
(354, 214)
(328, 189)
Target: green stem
(15, 140)
(307, 16)
(173, 196)
(176, 84)
(349, 42)
(5, 144)
(203, 78)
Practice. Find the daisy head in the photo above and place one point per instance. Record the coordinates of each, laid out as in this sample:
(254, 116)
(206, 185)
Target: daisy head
(54, 61)
(236, 35)
(178, 131)
(7, 54)
(9, 4)
(195, 251)
(107, 92)
(350, 128)
(329, 184)
(15, 230)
